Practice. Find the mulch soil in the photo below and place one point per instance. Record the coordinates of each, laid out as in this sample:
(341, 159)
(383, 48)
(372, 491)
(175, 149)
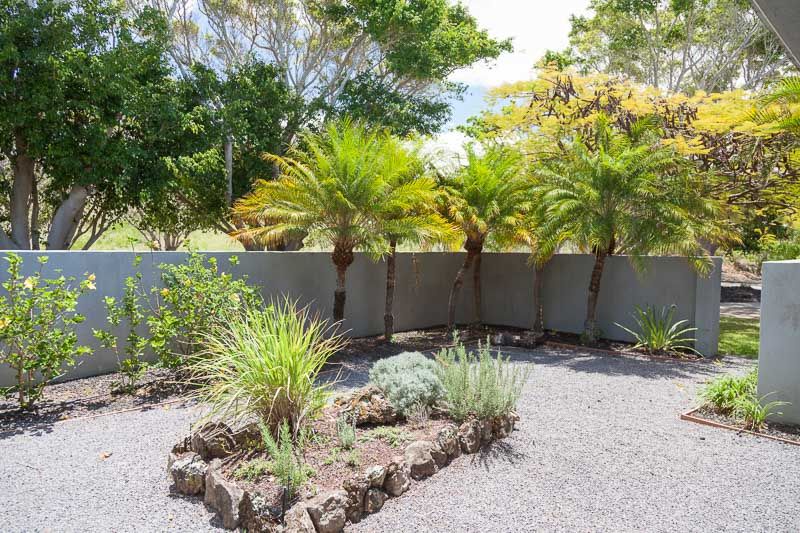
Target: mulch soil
(772, 429)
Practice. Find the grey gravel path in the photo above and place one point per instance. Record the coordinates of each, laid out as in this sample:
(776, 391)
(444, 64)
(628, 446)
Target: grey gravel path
(599, 448)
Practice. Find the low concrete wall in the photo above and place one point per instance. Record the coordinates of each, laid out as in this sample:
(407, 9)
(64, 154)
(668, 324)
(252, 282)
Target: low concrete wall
(423, 285)
(779, 350)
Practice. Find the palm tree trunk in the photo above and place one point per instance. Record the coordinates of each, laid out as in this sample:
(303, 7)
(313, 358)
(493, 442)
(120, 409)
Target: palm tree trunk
(457, 284)
(476, 286)
(342, 258)
(538, 310)
(590, 326)
(388, 316)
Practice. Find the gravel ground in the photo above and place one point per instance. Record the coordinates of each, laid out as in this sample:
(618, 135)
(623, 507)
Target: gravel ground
(741, 309)
(599, 448)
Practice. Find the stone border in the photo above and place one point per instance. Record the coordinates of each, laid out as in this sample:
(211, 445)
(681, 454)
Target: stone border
(689, 416)
(194, 467)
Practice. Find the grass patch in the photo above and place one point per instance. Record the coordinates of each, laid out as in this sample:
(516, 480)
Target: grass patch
(739, 336)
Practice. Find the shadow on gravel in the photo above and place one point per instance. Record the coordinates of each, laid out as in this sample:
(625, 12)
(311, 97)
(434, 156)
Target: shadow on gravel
(499, 452)
(215, 521)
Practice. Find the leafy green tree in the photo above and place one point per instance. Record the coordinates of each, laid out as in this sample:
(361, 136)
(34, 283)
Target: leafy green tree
(709, 45)
(74, 79)
(406, 213)
(486, 200)
(621, 192)
(332, 189)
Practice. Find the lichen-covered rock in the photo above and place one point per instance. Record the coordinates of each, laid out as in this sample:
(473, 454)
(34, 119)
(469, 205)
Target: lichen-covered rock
(368, 405)
(356, 489)
(486, 429)
(447, 438)
(188, 472)
(223, 496)
(419, 459)
(298, 520)
(439, 455)
(502, 426)
(246, 437)
(469, 436)
(213, 440)
(376, 475)
(327, 511)
(256, 515)
(397, 477)
(374, 500)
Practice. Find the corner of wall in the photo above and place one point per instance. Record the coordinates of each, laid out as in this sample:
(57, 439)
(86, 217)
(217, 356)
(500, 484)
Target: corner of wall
(706, 309)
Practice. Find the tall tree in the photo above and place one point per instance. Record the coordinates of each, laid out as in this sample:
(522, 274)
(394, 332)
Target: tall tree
(621, 192)
(74, 78)
(485, 199)
(333, 187)
(709, 45)
(407, 214)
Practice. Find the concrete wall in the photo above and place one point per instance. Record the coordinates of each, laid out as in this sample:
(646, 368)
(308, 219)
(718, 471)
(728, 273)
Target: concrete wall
(423, 285)
(779, 350)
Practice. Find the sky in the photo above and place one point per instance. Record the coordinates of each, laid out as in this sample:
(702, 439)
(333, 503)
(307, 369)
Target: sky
(534, 25)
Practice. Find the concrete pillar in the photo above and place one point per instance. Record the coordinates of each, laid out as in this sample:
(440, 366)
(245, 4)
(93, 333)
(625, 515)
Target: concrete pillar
(779, 350)
(706, 310)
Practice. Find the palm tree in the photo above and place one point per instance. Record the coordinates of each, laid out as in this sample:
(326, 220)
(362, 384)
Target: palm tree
(779, 107)
(621, 192)
(407, 214)
(333, 187)
(485, 199)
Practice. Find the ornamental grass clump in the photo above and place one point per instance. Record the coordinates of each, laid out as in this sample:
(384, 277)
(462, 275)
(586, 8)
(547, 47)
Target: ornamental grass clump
(480, 386)
(725, 392)
(408, 380)
(659, 332)
(264, 363)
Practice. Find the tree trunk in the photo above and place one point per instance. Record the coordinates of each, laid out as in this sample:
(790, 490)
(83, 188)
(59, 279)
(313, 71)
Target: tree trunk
(538, 310)
(476, 286)
(36, 235)
(229, 170)
(23, 167)
(590, 326)
(457, 284)
(342, 258)
(66, 218)
(388, 316)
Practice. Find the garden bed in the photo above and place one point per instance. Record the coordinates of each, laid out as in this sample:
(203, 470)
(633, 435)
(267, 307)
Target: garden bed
(344, 485)
(708, 416)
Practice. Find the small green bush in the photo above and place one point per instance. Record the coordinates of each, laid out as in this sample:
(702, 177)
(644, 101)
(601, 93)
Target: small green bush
(38, 317)
(346, 431)
(660, 332)
(726, 391)
(285, 463)
(481, 386)
(265, 363)
(252, 470)
(754, 410)
(407, 380)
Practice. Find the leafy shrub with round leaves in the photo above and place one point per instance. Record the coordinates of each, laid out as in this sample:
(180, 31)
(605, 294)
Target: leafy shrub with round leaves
(408, 380)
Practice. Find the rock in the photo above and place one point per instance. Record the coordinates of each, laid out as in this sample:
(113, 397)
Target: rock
(374, 500)
(327, 511)
(439, 455)
(255, 514)
(188, 471)
(356, 489)
(419, 459)
(447, 438)
(298, 520)
(246, 437)
(369, 406)
(213, 440)
(469, 436)
(502, 426)
(223, 496)
(397, 477)
(376, 475)
(486, 429)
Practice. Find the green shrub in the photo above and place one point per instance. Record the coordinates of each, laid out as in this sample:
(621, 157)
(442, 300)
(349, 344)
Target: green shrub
(726, 391)
(392, 436)
(252, 470)
(346, 431)
(195, 298)
(481, 386)
(660, 332)
(132, 310)
(754, 410)
(37, 328)
(407, 380)
(264, 362)
(285, 463)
